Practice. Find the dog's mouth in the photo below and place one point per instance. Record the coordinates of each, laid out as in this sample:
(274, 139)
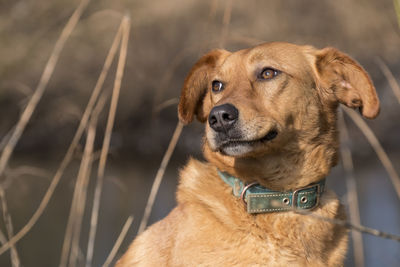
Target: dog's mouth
(235, 147)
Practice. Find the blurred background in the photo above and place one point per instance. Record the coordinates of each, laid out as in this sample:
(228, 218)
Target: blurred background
(166, 38)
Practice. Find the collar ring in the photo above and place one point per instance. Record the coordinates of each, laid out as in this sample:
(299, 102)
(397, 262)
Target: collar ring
(242, 195)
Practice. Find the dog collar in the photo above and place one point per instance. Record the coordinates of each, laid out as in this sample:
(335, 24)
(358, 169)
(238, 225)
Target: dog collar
(259, 199)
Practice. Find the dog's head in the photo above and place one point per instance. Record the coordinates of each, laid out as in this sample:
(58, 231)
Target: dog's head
(273, 99)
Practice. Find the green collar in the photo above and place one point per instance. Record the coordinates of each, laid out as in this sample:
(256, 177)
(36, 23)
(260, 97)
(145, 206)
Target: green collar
(261, 200)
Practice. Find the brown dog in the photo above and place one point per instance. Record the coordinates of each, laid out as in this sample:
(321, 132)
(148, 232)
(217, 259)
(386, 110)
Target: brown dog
(271, 119)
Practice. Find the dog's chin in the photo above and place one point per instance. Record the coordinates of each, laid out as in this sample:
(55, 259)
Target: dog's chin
(237, 150)
(243, 148)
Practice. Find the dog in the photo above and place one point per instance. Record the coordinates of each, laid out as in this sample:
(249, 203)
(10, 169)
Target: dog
(271, 138)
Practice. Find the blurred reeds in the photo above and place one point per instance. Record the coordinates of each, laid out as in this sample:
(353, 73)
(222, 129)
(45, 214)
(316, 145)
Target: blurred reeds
(73, 233)
(156, 73)
(26, 115)
(352, 193)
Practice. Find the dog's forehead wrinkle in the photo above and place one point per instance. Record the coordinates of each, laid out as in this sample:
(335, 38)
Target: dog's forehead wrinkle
(233, 63)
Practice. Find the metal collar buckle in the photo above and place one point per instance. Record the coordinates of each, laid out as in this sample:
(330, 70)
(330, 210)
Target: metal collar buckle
(296, 192)
(242, 195)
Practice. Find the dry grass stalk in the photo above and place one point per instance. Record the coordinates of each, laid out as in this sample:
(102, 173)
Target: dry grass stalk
(15, 261)
(389, 76)
(208, 25)
(225, 23)
(56, 179)
(82, 184)
(12, 174)
(3, 238)
(81, 203)
(28, 170)
(118, 242)
(26, 116)
(72, 234)
(377, 147)
(351, 192)
(165, 104)
(346, 224)
(13, 139)
(213, 9)
(96, 91)
(125, 29)
(44, 80)
(6, 138)
(159, 176)
(397, 9)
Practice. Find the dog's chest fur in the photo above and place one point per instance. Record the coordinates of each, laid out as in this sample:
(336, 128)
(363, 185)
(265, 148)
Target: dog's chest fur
(210, 227)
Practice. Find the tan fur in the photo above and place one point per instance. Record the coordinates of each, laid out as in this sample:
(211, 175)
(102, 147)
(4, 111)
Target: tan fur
(210, 227)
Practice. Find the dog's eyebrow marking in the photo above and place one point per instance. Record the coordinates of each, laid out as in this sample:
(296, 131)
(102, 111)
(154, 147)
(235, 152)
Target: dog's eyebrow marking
(282, 86)
(255, 57)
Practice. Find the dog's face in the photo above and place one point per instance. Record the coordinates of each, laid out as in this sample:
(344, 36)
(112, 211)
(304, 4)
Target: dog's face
(272, 97)
(256, 97)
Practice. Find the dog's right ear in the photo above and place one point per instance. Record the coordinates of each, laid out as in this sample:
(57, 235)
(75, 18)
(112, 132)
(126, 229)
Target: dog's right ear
(196, 85)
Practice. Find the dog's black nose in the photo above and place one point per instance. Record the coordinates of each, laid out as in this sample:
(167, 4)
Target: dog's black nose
(223, 117)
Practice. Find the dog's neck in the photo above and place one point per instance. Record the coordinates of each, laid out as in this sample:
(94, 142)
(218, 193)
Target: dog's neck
(280, 171)
(259, 199)
(201, 188)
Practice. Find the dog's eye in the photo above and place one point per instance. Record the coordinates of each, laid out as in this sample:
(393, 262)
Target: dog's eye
(217, 86)
(268, 73)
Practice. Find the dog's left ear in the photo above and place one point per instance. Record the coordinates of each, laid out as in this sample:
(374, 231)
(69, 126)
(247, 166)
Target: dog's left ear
(346, 81)
(196, 85)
